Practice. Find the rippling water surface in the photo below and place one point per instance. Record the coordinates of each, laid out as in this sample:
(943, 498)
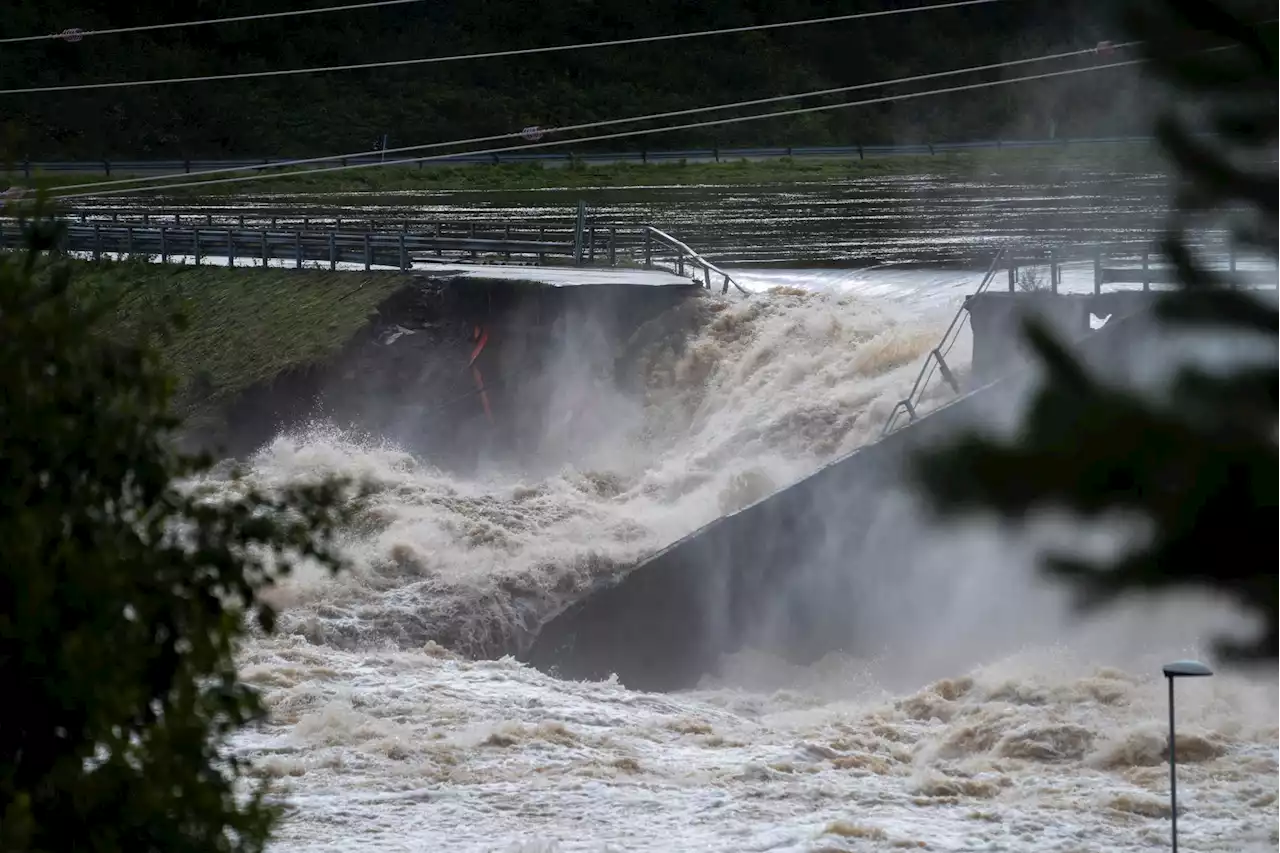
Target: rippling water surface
(1041, 732)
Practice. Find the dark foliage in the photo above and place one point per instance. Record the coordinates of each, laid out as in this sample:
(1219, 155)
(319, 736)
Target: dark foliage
(1200, 463)
(124, 587)
(349, 111)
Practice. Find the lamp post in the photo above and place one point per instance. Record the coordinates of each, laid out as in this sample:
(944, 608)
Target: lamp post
(1178, 669)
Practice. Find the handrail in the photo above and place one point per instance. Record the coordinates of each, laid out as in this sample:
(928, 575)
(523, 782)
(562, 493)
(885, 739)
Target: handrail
(697, 259)
(937, 356)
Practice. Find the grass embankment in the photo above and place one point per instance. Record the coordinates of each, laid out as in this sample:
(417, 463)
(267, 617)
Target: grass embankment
(244, 326)
(1030, 163)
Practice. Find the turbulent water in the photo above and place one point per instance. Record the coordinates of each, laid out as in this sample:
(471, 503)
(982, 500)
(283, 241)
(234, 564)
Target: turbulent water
(386, 732)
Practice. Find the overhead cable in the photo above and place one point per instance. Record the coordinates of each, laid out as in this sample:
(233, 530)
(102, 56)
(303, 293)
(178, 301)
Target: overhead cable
(495, 54)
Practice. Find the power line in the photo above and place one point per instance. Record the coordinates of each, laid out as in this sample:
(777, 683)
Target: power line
(628, 133)
(605, 122)
(79, 34)
(527, 51)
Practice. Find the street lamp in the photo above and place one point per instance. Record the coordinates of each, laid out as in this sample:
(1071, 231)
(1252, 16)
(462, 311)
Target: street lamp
(1178, 669)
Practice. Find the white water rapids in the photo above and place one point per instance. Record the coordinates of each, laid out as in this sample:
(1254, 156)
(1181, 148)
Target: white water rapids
(381, 738)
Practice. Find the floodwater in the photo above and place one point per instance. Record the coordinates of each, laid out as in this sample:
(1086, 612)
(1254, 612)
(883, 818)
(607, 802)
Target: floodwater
(865, 220)
(1006, 722)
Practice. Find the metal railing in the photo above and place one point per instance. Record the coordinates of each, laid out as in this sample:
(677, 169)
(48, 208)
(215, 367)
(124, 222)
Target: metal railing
(298, 241)
(110, 167)
(656, 240)
(937, 357)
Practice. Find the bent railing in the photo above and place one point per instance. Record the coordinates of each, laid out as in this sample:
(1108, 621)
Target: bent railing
(685, 256)
(937, 358)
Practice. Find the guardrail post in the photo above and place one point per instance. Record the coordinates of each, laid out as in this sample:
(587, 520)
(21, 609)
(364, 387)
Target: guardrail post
(1013, 274)
(861, 154)
(196, 232)
(26, 168)
(507, 234)
(947, 375)
(680, 262)
(242, 220)
(613, 246)
(164, 244)
(97, 242)
(439, 248)
(266, 258)
(648, 249)
(1146, 274)
(706, 276)
(297, 250)
(471, 232)
(231, 248)
(1097, 271)
(146, 218)
(591, 244)
(128, 236)
(106, 167)
(186, 164)
(333, 250)
(404, 254)
(542, 237)
(1055, 271)
(367, 258)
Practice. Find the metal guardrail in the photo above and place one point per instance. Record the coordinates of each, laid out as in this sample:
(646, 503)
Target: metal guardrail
(937, 357)
(110, 167)
(587, 244)
(685, 256)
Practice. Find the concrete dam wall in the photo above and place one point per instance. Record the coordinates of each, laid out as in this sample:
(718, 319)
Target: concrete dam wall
(813, 568)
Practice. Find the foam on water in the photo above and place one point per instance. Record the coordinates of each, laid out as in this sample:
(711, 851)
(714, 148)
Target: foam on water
(385, 735)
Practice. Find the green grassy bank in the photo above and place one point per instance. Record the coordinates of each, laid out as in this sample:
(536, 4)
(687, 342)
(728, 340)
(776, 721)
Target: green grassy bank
(1029, 164)
(244, 326)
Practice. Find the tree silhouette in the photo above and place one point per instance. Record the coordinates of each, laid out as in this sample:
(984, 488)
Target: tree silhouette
(124, 587)
(1201, 461)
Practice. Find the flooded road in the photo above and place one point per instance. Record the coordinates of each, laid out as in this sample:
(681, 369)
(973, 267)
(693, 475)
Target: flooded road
(935, 219)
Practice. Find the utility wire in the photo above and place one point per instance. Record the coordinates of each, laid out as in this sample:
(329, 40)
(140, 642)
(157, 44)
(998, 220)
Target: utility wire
(916, 78)
(527, 51)
(79, 34)
(629, 133)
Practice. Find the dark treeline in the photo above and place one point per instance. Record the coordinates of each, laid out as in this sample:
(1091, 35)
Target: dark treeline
(347, 111)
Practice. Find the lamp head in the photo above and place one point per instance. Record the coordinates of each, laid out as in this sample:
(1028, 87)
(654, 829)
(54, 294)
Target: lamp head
(1186, 669)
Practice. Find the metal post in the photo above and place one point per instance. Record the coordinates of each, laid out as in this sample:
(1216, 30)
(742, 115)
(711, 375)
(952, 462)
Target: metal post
(404, 254)
(1055, 271)
(1173, 771)
(1178, 669)
(591, 245)
(706, 276)
(333, 251)
(196, 238)
(542, 237)
(613, 246)
(680, 262)
(297, 250)
(648, 249)
(472, 233)
(439, 248)
(128, 236)
(97, 242)
(164, 244)
(1013, 274)
(1146, 271)
(1097, 271)
(266, 259)
(367, 258)
(231, 248)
